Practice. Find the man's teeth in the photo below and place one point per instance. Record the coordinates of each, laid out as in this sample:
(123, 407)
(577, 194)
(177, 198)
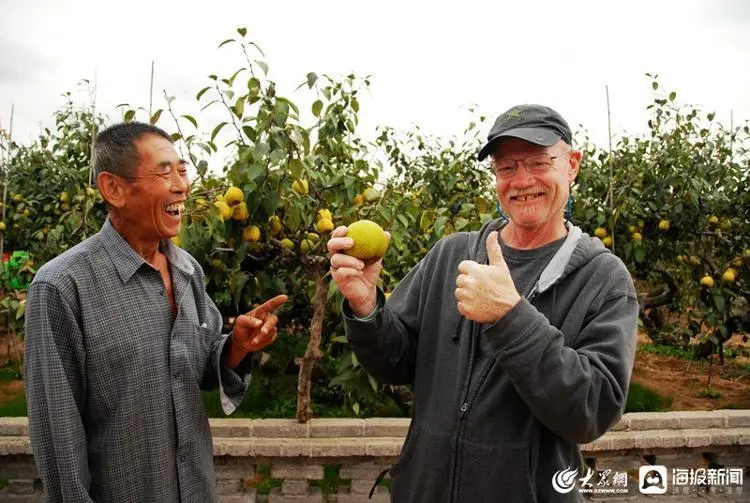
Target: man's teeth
(175, 208)
(527, 197)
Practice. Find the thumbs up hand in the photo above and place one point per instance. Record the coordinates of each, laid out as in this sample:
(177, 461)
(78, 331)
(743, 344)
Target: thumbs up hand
(485, 293)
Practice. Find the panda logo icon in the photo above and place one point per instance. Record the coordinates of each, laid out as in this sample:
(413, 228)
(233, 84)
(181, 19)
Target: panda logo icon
(652, 479)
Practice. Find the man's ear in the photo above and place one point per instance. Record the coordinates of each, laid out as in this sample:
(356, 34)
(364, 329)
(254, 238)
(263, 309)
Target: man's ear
(575, 163)
(112, 188)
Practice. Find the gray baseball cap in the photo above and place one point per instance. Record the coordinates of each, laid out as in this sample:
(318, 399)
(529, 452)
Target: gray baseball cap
(535, 124)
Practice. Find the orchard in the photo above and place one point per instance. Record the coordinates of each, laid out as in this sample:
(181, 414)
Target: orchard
(673, 205)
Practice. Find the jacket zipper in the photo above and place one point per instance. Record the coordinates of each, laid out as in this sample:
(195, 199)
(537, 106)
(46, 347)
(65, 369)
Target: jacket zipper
(466, 405)
(466, 401)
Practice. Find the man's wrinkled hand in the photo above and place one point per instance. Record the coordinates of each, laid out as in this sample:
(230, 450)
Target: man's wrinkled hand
(254, 330)
(485, 293)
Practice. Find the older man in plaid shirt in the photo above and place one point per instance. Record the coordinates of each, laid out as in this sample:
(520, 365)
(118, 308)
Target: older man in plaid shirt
(121, 337)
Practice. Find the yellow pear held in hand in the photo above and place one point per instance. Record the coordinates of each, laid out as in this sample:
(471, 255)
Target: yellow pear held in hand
(370, 241)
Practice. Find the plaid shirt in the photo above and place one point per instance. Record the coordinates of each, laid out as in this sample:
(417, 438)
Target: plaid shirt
(113, 380)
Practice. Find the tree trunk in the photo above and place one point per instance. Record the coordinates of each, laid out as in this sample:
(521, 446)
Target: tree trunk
(312, 354)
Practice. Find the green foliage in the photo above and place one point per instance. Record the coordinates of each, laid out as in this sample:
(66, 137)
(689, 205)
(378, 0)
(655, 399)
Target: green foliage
(664, 350)
(15, 407)
(709, 393)
(644, 399)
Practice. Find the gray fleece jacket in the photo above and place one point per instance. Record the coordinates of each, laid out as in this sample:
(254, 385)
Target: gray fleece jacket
(499, 408)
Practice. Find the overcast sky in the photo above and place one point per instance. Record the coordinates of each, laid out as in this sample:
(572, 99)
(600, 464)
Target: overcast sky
(429, 60)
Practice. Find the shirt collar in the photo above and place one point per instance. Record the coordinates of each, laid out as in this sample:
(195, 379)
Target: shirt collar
(127, 261)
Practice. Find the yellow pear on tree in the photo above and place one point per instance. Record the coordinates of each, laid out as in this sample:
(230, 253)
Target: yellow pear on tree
(234, 195)
(359, 200)
(600, 232)
(274, 225)
(287, 243)
(729, 276)
(371, 194)
(301, 187)
(325, 213)
(664, 225)
(324, 225)
(251, 234)
(224, 209)
(240, 212)
(707, 281)
(370, 241)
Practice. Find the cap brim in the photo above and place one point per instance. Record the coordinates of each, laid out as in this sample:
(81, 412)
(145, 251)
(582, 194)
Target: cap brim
(538, 136)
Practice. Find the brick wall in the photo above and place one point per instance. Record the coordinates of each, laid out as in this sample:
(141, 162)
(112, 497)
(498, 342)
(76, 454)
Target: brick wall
(297, 454)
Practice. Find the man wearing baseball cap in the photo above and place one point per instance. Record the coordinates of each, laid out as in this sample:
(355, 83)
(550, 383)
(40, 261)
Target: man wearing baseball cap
(518, 339)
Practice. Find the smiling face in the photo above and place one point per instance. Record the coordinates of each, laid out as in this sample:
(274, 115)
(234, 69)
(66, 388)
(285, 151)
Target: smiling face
(154, 198)
(536, 199)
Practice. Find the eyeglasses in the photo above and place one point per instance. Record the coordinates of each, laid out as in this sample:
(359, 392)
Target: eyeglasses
(536, 164)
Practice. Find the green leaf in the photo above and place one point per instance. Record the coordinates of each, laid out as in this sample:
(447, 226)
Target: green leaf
(317, 107)
(202, 167)
(428, 217)
(261, 150)
(201, 93)
(192, 120)
(281, 113)
(311, 78)
(296, 168)
(672, 96)
(250, 133)
(239, 106)
(242, 31)
(655, 85)
(640, 254)
(373, 382)
(241, 251)
(129, 115)
(238, 283)
(217, 129)
(719, 302)
(21, 310)
(253, 86)
(277, 156)
(255, 171)
(262, 65)
(271, 202)
(155, 118)
(227, 41)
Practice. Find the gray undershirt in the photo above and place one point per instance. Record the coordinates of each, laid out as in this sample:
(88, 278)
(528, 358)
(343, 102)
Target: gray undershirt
(527, 265)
